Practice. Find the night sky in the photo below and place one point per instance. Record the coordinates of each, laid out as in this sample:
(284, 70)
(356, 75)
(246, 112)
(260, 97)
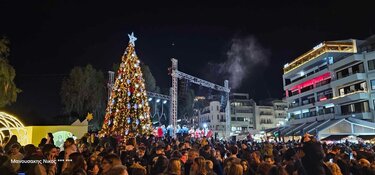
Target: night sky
(49, 38)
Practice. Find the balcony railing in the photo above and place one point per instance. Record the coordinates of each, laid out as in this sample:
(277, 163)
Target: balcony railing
(351, 93)
(347, 75)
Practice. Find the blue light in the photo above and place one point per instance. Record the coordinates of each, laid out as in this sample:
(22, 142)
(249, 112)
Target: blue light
(330, 60)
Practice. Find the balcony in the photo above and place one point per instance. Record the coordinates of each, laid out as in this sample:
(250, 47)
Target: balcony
(266, 113)
(317, 73)
(348, 79)
(353, 96)
(317, 89)
(346, 61)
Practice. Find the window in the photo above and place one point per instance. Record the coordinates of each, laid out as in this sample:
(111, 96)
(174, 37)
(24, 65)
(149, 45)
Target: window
(358, 68)
(355, 108)
(353, 88)
(330, 60)
(341, 91)
(371, 65)
(372, 84)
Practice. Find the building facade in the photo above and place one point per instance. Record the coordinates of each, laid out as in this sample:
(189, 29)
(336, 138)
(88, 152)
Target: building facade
(242, 113)
(271, 115)
(333, 82)
(246, 116)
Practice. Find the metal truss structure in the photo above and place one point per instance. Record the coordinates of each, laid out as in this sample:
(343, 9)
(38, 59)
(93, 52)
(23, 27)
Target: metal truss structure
(176, 74)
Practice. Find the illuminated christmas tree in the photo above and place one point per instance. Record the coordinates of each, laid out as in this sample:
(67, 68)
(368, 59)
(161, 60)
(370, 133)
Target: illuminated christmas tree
(127, 111)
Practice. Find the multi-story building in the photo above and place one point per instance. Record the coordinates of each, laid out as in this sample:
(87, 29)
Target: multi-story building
(330, 90)
(264, 117)
(212, 118)
(242, 113)
(271, 115)
(246, 116)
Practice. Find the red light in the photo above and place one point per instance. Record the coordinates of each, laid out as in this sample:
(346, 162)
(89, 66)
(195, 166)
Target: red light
(312, 81)
(323, 98)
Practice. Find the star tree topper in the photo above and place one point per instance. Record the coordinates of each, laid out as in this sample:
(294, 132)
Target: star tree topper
(132, 38)
(89, 116)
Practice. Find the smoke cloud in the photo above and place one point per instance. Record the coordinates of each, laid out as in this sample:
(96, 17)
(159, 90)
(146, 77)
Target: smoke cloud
(244, 58)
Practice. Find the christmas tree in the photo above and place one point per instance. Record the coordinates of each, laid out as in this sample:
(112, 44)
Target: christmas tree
(127, 112)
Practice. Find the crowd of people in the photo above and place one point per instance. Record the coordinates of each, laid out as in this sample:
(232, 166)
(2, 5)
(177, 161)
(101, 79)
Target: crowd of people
(185, 155)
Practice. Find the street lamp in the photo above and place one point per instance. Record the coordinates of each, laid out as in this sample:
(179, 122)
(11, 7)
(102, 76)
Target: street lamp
(150, 99)
(158, 100)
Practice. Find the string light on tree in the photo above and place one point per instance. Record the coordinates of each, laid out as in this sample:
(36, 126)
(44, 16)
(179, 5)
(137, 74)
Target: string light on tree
(127, 114)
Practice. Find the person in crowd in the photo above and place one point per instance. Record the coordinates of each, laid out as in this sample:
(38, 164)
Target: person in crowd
(47, 165)
(30, 150)
(210, 168)
(263, 168)
(334, 168)
(13, 139)
(16, 155)
(174, 167)
(43, 142)
(121, 170)
(6, 167)
(235, 169)
(244, 153)
(159, 162)
(199, 166)
(109, 161)
(69, 148)
(76, 165)
(143, 158)
(184, 157)
(192, 154)
(49, 138)
(312, 161)
(245, 166)
(93, 165)
(277, 170)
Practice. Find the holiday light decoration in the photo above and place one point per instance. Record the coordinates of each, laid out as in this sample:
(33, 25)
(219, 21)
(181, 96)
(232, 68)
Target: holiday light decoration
(127, 112)
(10, 125)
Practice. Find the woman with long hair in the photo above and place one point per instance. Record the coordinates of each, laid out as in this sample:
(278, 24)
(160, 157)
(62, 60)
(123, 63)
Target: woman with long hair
(76, 166)
(199, 166)
(235, 169)
(174, 167)
(245, 166)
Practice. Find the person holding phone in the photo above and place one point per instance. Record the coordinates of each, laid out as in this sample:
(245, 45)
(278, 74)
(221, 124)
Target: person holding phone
(47, 164)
